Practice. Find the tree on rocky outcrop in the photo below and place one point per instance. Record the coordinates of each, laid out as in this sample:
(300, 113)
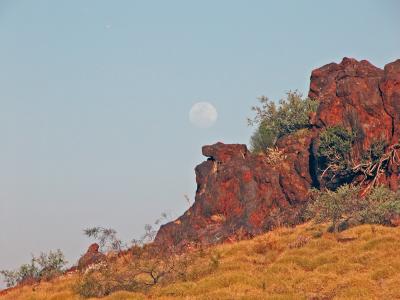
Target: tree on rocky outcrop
(274, 121)
(334, 156)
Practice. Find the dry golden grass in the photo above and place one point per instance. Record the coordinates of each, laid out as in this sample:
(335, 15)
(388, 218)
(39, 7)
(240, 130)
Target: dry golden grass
(287, 263)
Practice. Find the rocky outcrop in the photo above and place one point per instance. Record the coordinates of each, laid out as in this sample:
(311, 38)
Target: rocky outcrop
(92, 256)
(363, 99)
(239, 193)
(242, 193)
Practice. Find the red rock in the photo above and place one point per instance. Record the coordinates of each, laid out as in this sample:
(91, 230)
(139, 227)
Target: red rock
(395, 220)
(247, 192)
(349, 95)
(92, 256)
(390, 90)
(363, 98)
(223, 153)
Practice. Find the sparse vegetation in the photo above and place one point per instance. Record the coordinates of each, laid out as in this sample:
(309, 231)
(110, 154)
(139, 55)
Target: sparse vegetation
(276, 265)
(380, 205)
(274, 121)
(137, 268)
(337, 207)
(346, 206)
(44, 267)
(106, 237)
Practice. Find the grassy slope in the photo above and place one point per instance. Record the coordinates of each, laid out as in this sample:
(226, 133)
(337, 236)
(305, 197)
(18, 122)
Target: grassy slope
(361, 263)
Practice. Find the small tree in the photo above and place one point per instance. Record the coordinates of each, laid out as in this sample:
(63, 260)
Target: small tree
(51, 264)
(25, 273)
(335, 206)
(346, 203)
(379, 205)
(44, 267)
(263, 138)
(275, 121)
(106, 237)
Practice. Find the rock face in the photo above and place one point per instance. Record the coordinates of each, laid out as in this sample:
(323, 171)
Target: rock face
(92, 256)
(362, 98)
(239, 193)
(245, 194)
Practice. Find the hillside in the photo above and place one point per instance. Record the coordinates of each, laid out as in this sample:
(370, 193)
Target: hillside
(303, 262)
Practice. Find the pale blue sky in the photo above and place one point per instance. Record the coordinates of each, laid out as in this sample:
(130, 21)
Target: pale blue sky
(94, 100)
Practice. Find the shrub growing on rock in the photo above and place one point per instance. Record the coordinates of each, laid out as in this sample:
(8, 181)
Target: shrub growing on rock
(275, 121)
(334, 153)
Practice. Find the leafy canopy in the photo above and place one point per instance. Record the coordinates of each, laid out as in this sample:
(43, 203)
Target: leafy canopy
(274, 121)
(334, 152)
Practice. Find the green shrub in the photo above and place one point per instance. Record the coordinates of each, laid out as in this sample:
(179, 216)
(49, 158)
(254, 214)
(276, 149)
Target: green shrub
(275, 121)
(335, 206)
(25, 273)
(45, 266)
(345, 206)
(334, 152)
(102, 279)
(379, 205)
(263, 138)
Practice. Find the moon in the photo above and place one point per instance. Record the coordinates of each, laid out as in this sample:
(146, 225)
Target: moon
(203, 114)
